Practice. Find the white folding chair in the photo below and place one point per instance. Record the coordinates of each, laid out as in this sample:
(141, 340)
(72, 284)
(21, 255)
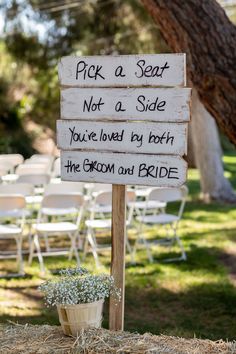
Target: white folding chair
(169, 221)
(39, 181)
(64, 187)
(42, 157)
(143, 205)
(99, 209)
(56, 170)
(14, 159)
(100, 187)
(57, 205)
(12, 208)
(25, 189)
(32, 169)
(6, 166)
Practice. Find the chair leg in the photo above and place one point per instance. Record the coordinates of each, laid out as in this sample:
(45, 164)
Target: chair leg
(80, 242)
(130, 250)
(46, 242)
(148, 250)
(70, 253)
(94, 249)
(31, 249)
(183, 253)
(85, 248)
(146, 244)
(74, 249)
(39, 254)
(19, 255)
(176, 239)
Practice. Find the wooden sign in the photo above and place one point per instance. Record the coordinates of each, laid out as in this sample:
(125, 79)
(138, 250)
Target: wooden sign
(160, 104)
(135, 137)
(118, 168)
(123, 133)
(123, 70)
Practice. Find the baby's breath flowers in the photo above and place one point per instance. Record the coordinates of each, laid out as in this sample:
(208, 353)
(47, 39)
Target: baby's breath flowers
(78, 286)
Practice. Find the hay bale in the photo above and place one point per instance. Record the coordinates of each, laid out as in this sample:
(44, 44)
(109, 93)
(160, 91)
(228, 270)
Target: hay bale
(30, 339)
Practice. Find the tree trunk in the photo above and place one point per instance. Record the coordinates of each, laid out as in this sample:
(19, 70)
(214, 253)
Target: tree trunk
(191, 160)
(201, 29)
(208, 155)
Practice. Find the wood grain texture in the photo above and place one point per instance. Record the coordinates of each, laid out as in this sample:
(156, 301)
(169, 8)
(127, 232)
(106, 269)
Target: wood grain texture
(132, 137)
(137, 70)
(159, 104)
(118, 232)
(118, 168)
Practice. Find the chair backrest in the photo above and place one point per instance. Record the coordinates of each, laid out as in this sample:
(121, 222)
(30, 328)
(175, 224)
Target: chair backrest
(3, 171)
(42, 157)
(25, 189)
(63, 201)
(56, 171)
(6, 166)
(31, 168)
(40, 160)
(64, 204)
(105, 199)
(37, 162)
(35, 179)
(10, 202)
(130, 197)
(168, 194)
(101, 187)
(15, 159)
(64, 188)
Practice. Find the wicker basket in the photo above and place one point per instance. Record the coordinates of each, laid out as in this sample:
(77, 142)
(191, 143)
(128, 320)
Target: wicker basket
(73, 318)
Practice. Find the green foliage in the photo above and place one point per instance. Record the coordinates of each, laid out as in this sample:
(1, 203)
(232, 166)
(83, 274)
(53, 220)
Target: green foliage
(98, 27)
(27, 49)
(13, 137)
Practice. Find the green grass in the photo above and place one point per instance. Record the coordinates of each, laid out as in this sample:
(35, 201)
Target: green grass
(196, 297)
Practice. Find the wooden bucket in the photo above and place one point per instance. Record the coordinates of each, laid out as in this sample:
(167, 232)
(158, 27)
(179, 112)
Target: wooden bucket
(74, 318)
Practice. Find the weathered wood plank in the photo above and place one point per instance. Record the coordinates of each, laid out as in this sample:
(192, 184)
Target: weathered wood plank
(125, 70)
(118, 236)
(159, 104)
(118, 168)
(132, 137)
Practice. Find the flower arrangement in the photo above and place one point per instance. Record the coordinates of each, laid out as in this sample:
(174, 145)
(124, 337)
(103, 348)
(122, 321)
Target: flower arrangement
(78, 286)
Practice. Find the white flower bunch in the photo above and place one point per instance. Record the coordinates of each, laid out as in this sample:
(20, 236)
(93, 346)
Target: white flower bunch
(78, 286)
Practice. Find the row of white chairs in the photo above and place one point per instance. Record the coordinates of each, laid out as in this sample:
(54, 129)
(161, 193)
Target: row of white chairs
(13, 166)
(93, 202)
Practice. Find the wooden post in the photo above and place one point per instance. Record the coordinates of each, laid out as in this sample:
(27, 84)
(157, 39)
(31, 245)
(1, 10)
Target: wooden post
(116, 310)
(117, 91)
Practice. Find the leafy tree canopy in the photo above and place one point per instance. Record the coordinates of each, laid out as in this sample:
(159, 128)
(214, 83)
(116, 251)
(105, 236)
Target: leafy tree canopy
(37, 33)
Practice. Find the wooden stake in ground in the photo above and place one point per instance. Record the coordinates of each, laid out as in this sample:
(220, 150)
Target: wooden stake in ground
(116, 310)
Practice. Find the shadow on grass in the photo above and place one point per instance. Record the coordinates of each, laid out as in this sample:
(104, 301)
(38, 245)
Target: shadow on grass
(198, 258)
(207, 311)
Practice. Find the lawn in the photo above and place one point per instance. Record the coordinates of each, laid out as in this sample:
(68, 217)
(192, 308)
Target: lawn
(192, 298)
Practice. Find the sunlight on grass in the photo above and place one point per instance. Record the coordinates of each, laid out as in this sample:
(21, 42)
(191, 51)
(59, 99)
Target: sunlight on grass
(193, 174)
(189, 298)
(230, 160)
